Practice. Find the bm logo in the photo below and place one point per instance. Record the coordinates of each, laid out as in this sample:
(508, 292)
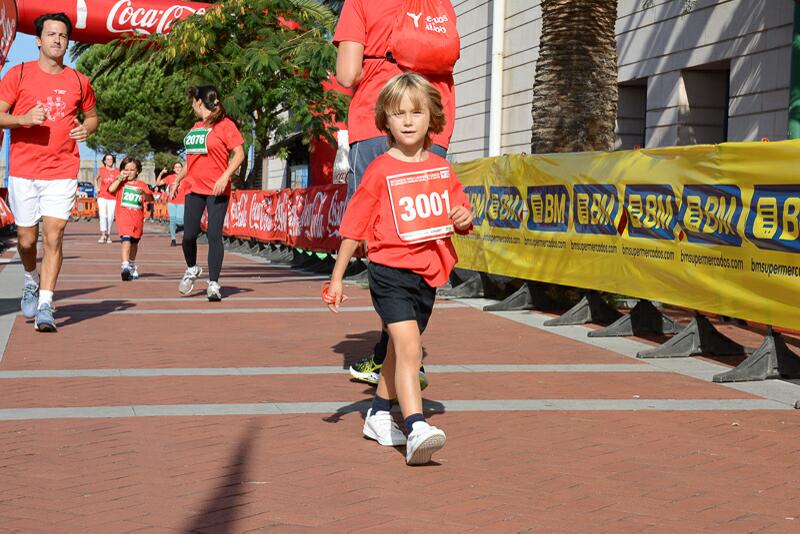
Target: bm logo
(710, 214)
(548, 208)
(774, 219)
(651, 211)
(596, 208)
(476, 194)
(506, 207)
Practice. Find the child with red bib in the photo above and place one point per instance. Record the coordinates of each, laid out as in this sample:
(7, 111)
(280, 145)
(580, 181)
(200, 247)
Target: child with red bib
(406, 207)
(106, 202)
(131, 194)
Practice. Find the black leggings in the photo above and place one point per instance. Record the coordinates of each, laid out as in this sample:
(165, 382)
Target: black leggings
(192, 213)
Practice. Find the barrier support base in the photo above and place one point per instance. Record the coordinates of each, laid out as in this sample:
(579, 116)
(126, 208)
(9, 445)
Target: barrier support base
(303, 260)
(643, 319)
(323, 266)
(772, 359)
(590, 309)
(529, 296)
(699, 337)
(472, 288)
(202, 238)
(358, 278)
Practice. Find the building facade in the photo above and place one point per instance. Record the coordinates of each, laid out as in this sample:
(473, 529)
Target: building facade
(718, 73)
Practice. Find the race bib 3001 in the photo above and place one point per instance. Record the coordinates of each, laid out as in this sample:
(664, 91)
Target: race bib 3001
(421, 204)
(132, 197)
(196, 141)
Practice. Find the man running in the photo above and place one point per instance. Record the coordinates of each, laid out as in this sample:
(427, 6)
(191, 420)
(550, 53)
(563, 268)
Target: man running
(39, 102)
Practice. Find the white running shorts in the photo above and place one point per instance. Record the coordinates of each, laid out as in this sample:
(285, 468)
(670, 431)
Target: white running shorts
(30, 200)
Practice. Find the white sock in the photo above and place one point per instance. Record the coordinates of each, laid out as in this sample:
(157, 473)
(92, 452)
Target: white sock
(45, 297)
(32, 277)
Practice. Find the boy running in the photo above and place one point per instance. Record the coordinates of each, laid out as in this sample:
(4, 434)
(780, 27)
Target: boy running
(131, 194)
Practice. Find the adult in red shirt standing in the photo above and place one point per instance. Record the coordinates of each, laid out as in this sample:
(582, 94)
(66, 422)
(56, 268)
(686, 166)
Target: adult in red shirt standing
(362, 36)
(214, 151)
(174, 203)
(106, 202)
(40, 101)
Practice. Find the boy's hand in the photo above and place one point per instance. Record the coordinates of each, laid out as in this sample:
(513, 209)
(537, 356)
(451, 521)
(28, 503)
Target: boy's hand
(335, 292)
(461, 217)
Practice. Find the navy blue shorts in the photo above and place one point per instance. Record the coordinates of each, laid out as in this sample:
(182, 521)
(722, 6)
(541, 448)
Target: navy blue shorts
(133, 240)
(400, 295)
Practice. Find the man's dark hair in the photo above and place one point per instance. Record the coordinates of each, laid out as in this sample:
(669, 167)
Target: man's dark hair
(60, 17)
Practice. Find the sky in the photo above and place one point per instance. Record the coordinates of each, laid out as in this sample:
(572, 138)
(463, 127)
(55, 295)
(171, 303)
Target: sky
(24, 49)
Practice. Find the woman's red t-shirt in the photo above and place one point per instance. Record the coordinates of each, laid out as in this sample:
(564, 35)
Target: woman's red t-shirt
(369, 217)
(203, 170)
(370, 23)
(183, 188)
(107, 177)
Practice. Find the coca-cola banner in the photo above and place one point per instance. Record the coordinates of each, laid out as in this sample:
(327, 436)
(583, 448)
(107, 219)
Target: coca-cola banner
(6, 217)
(101, 21)
(302, 218)
(8, 28)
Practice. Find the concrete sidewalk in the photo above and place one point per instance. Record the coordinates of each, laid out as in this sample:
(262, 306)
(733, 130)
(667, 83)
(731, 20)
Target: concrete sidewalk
(153, 412)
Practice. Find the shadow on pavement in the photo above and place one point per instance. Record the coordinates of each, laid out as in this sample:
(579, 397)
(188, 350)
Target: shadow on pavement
(431, 408)
(220, 510)
(10, 305)
(356, 346)
(70, 314)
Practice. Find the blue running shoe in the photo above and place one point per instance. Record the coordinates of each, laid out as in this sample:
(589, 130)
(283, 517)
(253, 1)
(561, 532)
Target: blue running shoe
(44, 321)
(30, 300)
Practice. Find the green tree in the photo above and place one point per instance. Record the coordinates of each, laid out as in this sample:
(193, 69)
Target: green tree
(269, 72)
(143, 109)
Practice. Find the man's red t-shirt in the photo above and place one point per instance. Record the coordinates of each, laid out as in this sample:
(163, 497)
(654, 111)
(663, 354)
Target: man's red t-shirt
(131, 198)
(369, 217)
(204, 169)
(45, 152)
(180, 196)
(107, 177)
(370, 23)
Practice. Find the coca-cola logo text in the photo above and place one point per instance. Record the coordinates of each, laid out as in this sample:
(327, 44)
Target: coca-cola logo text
(125, 17)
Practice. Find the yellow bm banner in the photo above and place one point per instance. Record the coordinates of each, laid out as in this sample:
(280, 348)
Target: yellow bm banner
(714, 228)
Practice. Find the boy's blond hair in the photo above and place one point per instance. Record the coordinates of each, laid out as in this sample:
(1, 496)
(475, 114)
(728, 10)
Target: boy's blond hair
(420, 92)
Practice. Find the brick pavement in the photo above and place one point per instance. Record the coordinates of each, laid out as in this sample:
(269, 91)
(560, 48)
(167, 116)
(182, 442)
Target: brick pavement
(633, 466)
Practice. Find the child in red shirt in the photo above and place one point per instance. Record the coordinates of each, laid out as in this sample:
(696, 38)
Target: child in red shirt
(405, 209)
(131, 194)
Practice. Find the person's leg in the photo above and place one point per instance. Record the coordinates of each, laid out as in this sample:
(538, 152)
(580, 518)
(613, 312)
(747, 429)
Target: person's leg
(406, 345)
(102, 215)
(52, 255)
(217, 208)
(112, 209)
(173, 223)
(23, 199)
(126, 251)
(27, 237)
(193, 212)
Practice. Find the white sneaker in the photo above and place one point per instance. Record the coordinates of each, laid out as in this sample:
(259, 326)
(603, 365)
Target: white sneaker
(187, 282)
(423, 441)
(214, 292)
(381, 427)
(30, 300)
(102, 239)
(134, 272)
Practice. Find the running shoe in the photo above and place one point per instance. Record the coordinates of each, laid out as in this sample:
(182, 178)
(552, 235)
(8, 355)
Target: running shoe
(213, 292)
(30, 300)
(44, 321)
(134, 272)
(423, 441)
(102, 239)
(126, 273)
(367, 370)
(187, 282)
(381, 427)
(172, 243)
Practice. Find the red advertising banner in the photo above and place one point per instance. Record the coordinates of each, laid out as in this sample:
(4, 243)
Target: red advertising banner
(6, 217)
(101, 21)
(302, 218)
(8, 27)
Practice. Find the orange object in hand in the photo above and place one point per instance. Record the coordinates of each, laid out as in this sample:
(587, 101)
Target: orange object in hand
(326, 298)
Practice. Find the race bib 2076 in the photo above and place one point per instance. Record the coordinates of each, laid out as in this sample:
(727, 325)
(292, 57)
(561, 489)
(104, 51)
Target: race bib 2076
(132, 197)
(196, 141)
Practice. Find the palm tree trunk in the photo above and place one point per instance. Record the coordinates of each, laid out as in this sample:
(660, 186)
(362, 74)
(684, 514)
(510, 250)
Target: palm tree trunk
(575, 88)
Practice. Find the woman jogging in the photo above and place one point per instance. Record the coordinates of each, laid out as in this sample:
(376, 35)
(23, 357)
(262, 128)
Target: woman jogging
(106, 202)
(213, 153)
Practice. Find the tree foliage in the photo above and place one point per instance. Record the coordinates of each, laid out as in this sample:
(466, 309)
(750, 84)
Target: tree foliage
(268, 58)
(142, 108)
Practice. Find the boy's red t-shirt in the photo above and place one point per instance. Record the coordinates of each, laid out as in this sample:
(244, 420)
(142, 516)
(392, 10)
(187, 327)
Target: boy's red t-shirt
(369, 218)
(107, 177)
(131, 199)
(45, 152)
(180, 196)
(203, 170)
(370, 23)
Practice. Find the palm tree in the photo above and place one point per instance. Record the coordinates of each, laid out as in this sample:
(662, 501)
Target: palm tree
(575, 87)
